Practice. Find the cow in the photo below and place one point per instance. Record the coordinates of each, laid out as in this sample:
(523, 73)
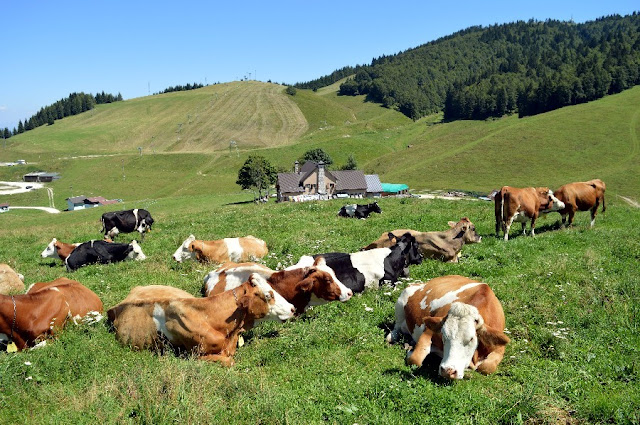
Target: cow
(58, 249)
(302, 286)
(368, 269)
(10, 281)
(103, 252)
(127, 221)
(359, 211)
(522, 205)
(248, 248)
(581, 196)
(28, 319)
(208, 327)
(84, 305)
(444, 246)
(457, 318)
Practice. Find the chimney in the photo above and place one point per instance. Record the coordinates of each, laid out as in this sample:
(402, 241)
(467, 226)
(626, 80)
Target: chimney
(296, 167)
(322, 188)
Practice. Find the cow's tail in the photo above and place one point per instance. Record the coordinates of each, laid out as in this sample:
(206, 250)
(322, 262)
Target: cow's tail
(103, 226)
(604, 207)
(499, 205)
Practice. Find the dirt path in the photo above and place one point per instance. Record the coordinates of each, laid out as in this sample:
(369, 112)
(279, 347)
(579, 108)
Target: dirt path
(47, 209)
(630, 201)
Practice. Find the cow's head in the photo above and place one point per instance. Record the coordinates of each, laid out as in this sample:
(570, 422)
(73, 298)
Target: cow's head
(410, 248)
(136, 252)
(548, 202)
(278, 307)
(321, 281)
(466, 230)
(185, 251)
(375, 208)
(462, 330)
(50, 251)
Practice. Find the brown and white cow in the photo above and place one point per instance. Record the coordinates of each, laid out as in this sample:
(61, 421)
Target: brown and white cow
(444, 246)
(10, 281)
(522, 205)
(31, 318)
(459, 319)
(301, 286)
(208, 327)
(220, 251)
(84, 305)
(58, 249)
(581, 196)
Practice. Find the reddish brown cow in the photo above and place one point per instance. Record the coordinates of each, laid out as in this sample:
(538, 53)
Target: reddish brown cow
(522, 205)
(27, 319)
(581, 196)
(455, 317)
(302, 287)
(84, 304)
(208, 327)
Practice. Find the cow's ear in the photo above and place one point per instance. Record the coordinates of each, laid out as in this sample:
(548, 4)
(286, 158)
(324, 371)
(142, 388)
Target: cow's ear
(491, 337)
(192, 246)
(392, 237)
(306, 285)
(434, 323)
(452, 223)
(320, 261)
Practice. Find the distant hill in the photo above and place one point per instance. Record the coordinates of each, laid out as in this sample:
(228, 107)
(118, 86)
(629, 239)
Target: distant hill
(480, 72)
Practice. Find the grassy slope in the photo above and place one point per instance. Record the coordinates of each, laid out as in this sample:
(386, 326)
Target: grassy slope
(332, 365)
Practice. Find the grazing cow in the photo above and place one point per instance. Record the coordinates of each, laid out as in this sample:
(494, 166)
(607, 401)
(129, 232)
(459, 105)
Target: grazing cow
(102, 252)
(84, 304)
(444, 246)
(581, 196)
(359, 211)
(522, 205)
(127, 221)
(208, 327)
(368, 269)
(59, 250)
(27, 319)
(302, 287)
(10, 281)
(459, 319)
(220, 251)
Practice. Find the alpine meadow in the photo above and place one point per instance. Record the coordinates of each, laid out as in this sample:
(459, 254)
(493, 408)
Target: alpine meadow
(571, 296)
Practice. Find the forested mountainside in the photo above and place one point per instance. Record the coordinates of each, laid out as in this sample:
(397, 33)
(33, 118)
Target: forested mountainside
(480, 72)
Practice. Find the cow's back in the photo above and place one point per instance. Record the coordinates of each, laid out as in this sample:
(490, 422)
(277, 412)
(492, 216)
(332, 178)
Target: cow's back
(81, 299)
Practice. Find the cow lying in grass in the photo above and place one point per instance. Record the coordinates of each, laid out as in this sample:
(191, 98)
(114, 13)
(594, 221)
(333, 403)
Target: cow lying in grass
(359, 211)
(10, 281)
(103, 252)
(443, 246)
(457, 318)
(27, 319)
(303, 286)
(207, 327)
(248, 248)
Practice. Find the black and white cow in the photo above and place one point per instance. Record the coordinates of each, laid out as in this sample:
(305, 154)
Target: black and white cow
(368, 269)
(103, 252)
(359, 211)
(127, 221)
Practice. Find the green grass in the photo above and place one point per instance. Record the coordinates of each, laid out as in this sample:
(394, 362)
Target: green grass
(332, 364)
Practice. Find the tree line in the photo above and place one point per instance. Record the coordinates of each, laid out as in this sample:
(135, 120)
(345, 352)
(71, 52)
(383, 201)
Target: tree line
(181, 88)
(75, 104)
(482, 72)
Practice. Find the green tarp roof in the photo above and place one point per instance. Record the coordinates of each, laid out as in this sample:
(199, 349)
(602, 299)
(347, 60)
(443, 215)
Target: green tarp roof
(394, 187)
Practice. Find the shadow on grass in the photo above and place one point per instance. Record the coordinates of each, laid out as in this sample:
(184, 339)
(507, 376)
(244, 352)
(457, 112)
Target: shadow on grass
(547, 227)
(428, 370)
(239, 203)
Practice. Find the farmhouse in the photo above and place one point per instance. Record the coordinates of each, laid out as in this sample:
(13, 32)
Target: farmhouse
(314, 182)
(4, 208)
(82, 202)
(40, 177)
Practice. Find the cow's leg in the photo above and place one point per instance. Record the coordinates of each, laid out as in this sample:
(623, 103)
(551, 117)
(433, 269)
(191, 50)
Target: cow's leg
(594, 210)
(571, 214)
(533, 226)
(564, 220)
(524, 229)
(420, 351)
(506, 227)
(112, 233)
(490, 364)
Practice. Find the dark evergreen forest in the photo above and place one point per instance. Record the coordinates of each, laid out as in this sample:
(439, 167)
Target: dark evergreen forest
(481, 72)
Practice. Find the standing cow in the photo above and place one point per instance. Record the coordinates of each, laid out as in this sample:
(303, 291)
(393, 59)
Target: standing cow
(581, 196)
(523, 205)
(127, 221)
(459, 319)
(359, 211)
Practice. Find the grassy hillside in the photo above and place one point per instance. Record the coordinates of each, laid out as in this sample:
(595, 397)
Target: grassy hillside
(570, 297)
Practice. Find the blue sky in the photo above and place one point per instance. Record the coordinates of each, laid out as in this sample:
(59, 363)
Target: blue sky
(51, 49)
